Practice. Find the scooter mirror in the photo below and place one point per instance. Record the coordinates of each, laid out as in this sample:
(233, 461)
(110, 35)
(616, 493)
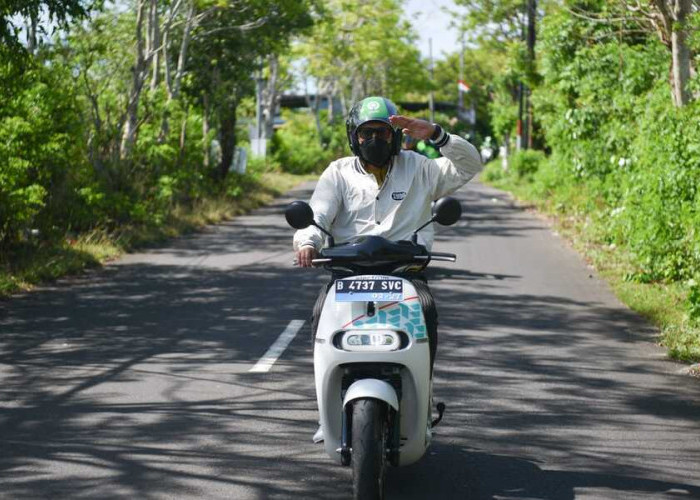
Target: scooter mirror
(299, 214)
(447, 211)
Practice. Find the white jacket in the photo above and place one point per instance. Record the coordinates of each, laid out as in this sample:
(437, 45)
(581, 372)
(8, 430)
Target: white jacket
(348, 202)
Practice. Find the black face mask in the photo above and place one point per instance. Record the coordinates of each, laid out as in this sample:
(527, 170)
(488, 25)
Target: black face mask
(375, 151)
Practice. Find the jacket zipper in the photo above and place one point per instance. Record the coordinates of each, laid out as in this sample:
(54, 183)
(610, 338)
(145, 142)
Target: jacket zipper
(379, 192)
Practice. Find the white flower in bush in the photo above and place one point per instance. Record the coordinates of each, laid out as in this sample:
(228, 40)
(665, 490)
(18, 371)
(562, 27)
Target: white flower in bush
(616, 211)
(624, 162)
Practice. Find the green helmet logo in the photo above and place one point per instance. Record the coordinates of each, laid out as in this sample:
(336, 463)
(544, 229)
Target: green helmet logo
(373, 108)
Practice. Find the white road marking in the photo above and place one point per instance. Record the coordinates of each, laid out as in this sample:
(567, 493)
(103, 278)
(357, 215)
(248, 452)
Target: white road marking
(276, 349)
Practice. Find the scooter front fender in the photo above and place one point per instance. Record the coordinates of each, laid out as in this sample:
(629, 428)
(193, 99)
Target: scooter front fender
(372, 388)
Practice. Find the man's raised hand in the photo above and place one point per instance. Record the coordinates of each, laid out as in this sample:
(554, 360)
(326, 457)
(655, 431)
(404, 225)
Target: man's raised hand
(415, 127)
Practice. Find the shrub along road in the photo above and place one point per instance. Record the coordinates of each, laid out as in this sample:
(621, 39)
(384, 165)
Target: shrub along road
(134, 381)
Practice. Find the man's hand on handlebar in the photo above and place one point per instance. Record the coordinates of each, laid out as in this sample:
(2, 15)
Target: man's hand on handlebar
(305, 255)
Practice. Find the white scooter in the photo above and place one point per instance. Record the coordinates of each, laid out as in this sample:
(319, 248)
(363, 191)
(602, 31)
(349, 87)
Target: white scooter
(371, 353)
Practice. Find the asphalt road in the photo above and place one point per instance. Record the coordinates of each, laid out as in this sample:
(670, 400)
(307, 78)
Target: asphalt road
(134, 382)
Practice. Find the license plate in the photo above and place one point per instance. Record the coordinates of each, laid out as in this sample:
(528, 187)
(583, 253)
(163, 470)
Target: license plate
(368, 289)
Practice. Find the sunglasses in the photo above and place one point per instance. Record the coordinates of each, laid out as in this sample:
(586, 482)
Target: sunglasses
(366, 133)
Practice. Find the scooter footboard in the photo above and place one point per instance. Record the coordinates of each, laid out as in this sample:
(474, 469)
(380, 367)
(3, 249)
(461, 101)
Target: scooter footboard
(372, 388)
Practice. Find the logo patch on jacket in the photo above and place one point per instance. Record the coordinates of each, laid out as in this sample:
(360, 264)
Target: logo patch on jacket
(398, 195)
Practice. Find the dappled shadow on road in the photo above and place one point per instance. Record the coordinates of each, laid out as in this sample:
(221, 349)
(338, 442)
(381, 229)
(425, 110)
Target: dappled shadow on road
(486, 213)
(260, 236)
(133, 383)
(558, 377)
(465, 473)
(573, 390)
(573, 383)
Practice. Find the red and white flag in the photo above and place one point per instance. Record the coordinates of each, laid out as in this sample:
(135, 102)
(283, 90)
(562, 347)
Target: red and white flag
(463, 87)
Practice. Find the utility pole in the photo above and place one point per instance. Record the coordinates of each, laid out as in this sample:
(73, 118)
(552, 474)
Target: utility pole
(257, 143)
(520, 142)
(531, 18)
(258, 104)
(432, 94)
(524, 105)
(460, 106)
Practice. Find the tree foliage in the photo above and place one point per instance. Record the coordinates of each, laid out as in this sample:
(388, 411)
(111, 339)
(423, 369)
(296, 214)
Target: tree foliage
(498, 28)
(359, 49)
(58, 12)
(110, 120)
(624, 156)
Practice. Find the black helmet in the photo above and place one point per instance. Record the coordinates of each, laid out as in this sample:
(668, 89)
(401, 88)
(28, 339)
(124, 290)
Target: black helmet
(372, 109)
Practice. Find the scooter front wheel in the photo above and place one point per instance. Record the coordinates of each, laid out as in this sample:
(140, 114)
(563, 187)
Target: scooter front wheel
(369, 436)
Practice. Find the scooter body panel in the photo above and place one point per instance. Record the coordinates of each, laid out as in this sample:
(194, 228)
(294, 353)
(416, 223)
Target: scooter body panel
(330, 362)
(372, 388)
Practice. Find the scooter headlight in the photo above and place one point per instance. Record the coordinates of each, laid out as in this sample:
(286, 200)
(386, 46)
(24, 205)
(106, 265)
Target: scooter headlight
(370, 340)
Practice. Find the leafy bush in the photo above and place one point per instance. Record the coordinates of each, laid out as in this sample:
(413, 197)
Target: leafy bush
(299, 149)
(526, 163)
(493, 171)
(522, 166)
(694, 300)
(39, 156)
(623, 156)
(656, 211)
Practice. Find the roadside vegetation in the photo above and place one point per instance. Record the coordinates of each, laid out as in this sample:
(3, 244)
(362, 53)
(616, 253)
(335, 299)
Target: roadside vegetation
(668, 304)
(124, 122)
(619, 162)
(31, 262)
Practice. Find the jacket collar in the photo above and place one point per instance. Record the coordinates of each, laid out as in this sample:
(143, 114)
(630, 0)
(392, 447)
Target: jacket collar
(360, 169)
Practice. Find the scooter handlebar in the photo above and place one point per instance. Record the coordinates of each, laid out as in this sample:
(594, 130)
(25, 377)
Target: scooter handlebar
(440, 256)
(445, 257)
(448, 257)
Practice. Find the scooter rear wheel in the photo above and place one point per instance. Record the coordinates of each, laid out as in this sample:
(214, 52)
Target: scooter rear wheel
(369, 435)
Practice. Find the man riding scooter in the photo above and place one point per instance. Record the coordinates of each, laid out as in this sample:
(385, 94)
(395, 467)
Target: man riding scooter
(385, 191)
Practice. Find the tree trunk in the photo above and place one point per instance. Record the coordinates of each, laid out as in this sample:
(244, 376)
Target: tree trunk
(669, 17)
(314, 106)
(680, 53)
(131, 123)
(357, 91)
(317, 111)
(165, 36)
(156, 42)
(227, 137)
(32, 42)
(167, 74)
(317, 117)
(183, 137)
(205, 130)
(174, 88)
(270, 97)
(331, 108)
(182, 56)
(343, 104)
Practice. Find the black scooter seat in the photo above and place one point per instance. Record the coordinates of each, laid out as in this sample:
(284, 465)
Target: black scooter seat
(374, 249)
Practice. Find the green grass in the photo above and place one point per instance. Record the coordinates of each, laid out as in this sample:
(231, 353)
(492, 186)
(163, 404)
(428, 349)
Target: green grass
(663, 304)
(34, 263)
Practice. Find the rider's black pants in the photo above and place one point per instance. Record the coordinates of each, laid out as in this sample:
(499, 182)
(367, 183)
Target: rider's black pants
(424, 296)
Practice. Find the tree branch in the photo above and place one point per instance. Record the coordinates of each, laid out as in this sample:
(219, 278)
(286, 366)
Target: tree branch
(243, 27)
